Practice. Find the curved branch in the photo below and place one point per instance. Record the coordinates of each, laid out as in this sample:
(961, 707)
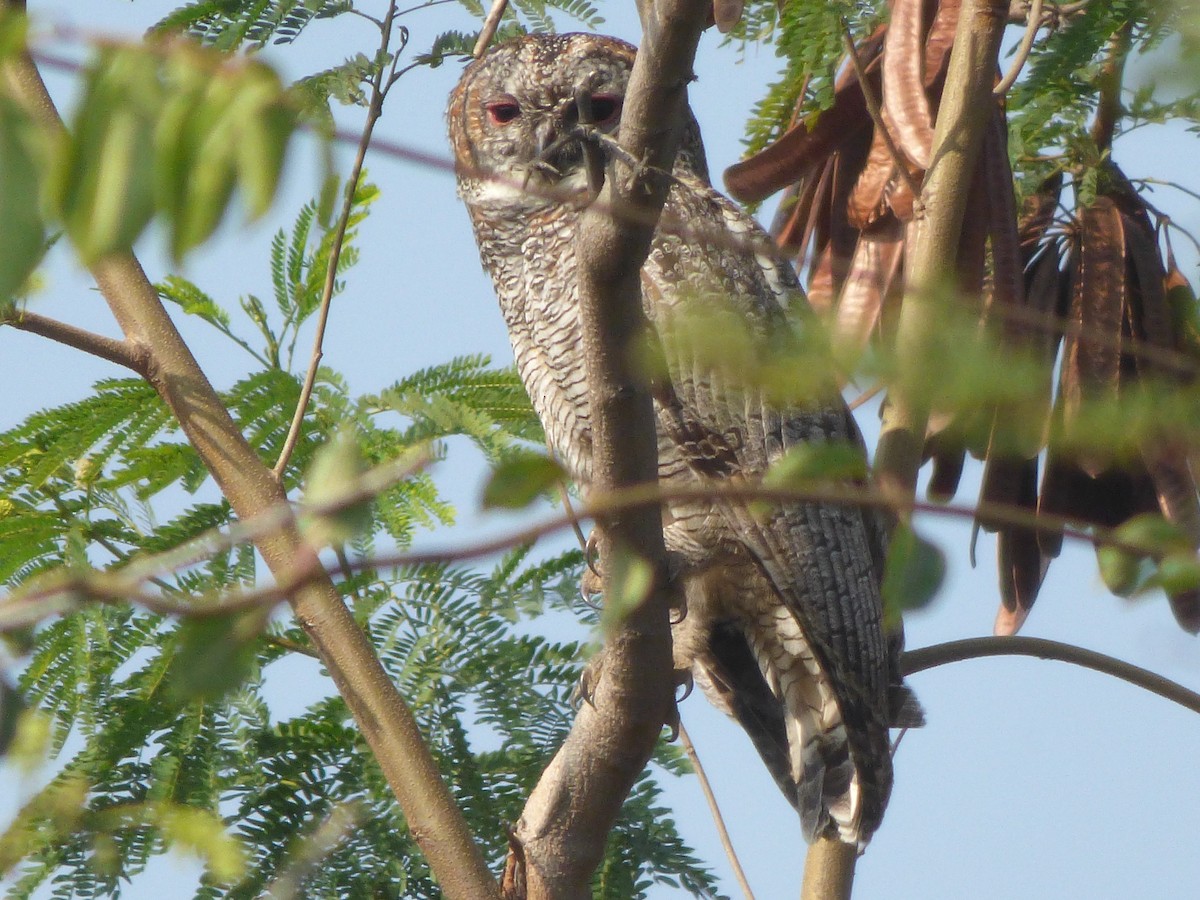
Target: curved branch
(610, 503)
(1023, 50)
(977, 648)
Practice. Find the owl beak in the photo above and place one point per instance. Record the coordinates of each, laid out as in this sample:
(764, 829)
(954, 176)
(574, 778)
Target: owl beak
(546, 136)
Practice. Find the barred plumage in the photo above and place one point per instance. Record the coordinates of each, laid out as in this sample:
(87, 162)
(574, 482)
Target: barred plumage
(783, 628)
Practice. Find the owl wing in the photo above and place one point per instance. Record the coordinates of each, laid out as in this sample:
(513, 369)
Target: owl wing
(819, 558)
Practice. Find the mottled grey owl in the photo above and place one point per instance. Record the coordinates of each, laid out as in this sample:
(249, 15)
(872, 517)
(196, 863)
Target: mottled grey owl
(783, 626)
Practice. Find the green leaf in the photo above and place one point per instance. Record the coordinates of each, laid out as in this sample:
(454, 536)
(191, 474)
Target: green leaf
(806, 463)
(216, 655)
(266, 129)
(1153, 534)
(1178, 573)
(212, 132)
(519, 480)
(336, 514)
(913, 571)
(630, 579)
(24, 240)
(1124, 573)
(203, 832)
(102, 175)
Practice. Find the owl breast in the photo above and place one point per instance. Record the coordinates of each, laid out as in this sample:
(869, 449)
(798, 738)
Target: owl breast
(531, 259)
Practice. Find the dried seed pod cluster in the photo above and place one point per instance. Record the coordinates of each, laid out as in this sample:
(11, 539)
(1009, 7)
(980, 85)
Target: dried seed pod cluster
(1086, 290)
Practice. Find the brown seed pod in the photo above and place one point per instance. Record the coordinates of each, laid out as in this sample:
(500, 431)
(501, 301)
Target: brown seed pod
(904, 98)
(872, 270)
(867, 202)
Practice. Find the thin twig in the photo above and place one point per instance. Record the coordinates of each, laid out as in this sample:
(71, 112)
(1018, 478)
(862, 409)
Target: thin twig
(421, 6)
(866, 396)
(690, 749)
(292, 646)
(374, 111)
(977, 648)
(122, 352)
(1023, 50)
(125, 583)
(876, 113)
(1166, 183)
(490, 24)
(313, 849)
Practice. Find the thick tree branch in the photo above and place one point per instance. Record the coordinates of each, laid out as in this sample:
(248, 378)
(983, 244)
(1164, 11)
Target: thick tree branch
(124, 353)
(977, 648)
(561, 835)
(828, 870)
(966, 107)
(248, 483)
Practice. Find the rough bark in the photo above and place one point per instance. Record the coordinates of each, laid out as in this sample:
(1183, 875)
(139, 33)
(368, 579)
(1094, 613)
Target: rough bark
(561, 835)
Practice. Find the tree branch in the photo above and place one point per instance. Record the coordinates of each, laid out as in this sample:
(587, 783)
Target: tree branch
(966, 107)
(248, 483)
(719, 820)
(977, 648)
(1023, 50)
(374, 111)
(124, 353)
(561, 835)
(963, 115)
(38, 599)
(828, 870)
(1109, 79)
(490, 23)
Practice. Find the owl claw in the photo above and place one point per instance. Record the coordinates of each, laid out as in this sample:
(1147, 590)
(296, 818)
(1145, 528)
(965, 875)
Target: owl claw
(672, 724)
(684, 679)
(585, 688)
(591, 552)
(591, 582)
(589, 588)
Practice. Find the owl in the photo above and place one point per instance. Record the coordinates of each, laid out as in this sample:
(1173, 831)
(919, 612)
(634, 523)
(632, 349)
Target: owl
(783, 627)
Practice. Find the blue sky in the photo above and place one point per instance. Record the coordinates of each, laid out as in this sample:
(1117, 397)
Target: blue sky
(1032, 778)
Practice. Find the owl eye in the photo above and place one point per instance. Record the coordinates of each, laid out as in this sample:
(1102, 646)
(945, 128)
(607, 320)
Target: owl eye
(605, 108)
(501, 112)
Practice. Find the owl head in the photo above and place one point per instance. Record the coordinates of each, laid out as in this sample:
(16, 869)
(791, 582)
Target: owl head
(514, 117)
